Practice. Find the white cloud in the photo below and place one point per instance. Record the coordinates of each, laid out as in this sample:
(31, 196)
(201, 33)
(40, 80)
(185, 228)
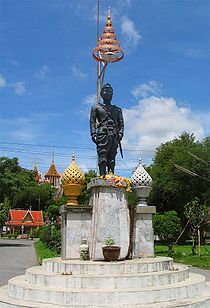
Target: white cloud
(90, 100)
(147, 89)
(25, 129)
(19, 87)
(87, 103)
(42, 72)
(128, 29)
(156, 120)
(77, 73)
(2, 82)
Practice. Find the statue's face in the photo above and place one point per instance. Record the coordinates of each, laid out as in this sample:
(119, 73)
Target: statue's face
(107, 93)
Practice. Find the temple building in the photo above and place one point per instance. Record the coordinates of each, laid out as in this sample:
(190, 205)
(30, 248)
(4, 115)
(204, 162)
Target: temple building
(52, 175)
(23, 221)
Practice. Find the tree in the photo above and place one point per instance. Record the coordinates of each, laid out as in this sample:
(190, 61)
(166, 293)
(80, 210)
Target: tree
(35, 197)
(83, 199)
(13, 178)
(172, 189)
(4, 209)
(197, 214)
(167, 226)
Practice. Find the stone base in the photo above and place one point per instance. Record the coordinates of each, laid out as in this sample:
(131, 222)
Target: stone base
(110, 216)
(76, 226)
(138, 283)
(143, 246)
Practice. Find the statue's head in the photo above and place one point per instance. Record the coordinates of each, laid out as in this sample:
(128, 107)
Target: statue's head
(106, 92)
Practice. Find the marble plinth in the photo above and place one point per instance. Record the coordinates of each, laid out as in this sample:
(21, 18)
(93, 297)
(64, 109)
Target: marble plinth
(110, 216)
(143, 246)
(137, 283)
(76, 226)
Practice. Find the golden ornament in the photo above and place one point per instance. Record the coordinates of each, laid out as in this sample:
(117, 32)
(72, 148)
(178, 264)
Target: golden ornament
(73, 181)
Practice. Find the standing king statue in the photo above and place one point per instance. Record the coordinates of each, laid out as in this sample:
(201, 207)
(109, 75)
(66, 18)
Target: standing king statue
(106, 128)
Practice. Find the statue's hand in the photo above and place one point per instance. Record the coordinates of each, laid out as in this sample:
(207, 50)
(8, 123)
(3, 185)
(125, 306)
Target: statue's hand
(94, 138)
(120, 136)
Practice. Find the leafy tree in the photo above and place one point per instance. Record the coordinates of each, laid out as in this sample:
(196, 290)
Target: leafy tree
(13, 178)
(53, 212)
(197, 214)
(36, 198)
(4, 208)
(172, 189)
(83, 199)
(168, 227)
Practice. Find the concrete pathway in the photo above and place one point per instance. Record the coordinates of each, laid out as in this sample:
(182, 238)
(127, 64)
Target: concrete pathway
(205, 273)
(15, 257)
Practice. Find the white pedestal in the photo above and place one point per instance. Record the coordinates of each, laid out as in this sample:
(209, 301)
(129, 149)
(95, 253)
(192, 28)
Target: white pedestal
(143, 232)
(76, 225)
(110, 216)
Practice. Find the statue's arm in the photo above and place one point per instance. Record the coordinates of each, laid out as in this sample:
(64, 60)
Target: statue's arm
(120, 124)
(93, 117)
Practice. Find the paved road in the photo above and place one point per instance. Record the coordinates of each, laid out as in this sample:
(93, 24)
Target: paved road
(15, 257)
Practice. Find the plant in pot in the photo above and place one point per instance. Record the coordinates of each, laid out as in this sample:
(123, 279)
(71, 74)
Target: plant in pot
(111, 252)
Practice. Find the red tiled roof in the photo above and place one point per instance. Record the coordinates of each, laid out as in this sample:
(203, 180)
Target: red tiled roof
(24, 217)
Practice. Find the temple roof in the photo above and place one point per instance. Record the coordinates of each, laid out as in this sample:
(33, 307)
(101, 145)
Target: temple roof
(25, 217)
(52, 171)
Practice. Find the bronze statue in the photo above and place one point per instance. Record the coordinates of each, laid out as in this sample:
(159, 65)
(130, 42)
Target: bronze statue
(106, 128)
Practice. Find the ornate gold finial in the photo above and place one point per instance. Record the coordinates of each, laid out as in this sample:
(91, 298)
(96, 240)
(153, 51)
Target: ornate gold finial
(108, 48)
(73, 181)
(35, 169)
(109, 21)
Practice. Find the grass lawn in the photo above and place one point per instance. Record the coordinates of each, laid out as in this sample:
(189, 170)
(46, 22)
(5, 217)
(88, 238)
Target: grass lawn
(183, 254)
(43, 252)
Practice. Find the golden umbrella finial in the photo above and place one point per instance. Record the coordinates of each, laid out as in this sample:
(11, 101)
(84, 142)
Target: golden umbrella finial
(108, 47)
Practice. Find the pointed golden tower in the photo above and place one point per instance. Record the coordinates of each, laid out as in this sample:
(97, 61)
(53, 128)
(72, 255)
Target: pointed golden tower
(52, 174)
(73, 181)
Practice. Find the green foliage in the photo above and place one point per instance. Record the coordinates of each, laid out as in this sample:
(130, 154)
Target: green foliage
(172, 189)
(83, 199)
(4, 208)
(37, 197)
(51, 236)
(43, 252)
(167, 226)
(109, 242)
(36, 232)
(196, 213)
(13, 178)
(132, 200)
(183, 254)
(53, 212)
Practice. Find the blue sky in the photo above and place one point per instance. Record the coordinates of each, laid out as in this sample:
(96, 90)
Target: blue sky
(48, 77)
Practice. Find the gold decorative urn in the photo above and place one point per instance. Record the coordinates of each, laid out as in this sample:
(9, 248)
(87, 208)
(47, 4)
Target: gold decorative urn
(73, 181)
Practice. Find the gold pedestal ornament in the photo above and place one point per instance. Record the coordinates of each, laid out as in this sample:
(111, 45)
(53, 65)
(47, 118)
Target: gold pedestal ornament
(73, 181)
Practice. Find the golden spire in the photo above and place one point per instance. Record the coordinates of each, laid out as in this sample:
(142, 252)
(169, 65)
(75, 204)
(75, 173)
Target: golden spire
(109, 22)
(52, 172)
(35, 169)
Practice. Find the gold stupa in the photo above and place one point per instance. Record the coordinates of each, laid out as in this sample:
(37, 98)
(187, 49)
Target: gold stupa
(73, 181)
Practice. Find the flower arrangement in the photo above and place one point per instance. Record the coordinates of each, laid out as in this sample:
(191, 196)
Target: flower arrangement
(118, 180)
